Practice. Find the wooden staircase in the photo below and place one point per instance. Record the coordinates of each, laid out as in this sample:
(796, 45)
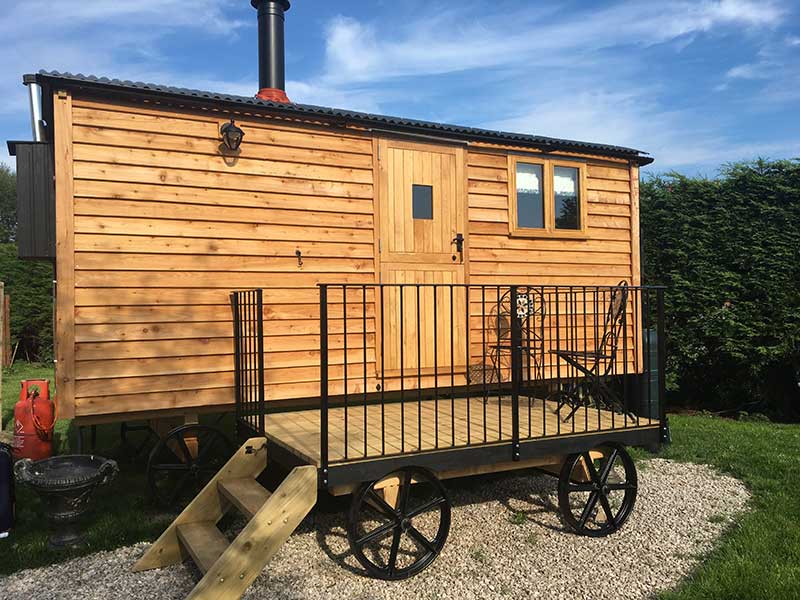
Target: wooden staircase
(229, 568)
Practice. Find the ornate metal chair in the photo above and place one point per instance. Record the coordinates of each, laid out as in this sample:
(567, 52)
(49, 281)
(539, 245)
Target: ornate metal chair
(530, 310)
(594, 368)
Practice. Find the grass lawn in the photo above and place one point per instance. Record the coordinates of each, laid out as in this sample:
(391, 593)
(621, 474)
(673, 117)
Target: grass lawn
(760, 555)
(758, 558)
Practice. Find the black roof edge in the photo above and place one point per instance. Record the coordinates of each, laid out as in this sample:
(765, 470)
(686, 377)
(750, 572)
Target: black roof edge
(370, 120)
(12, 145)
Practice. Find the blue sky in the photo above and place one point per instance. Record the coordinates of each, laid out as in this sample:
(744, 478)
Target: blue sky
(696, 84)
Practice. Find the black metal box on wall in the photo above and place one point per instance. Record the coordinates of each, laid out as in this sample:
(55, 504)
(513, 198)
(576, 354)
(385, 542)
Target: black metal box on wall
(36, 199)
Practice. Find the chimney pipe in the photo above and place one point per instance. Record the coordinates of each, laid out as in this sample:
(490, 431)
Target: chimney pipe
(271, 73)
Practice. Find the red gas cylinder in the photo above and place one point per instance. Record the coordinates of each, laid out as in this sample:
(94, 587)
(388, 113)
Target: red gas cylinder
(34, 418)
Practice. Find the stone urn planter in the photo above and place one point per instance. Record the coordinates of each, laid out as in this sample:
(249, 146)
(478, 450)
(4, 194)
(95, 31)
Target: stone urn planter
(65, 484)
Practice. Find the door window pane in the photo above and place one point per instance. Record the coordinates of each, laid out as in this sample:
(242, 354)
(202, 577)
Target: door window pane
(530, 207)
(422, 201)
(567, 201)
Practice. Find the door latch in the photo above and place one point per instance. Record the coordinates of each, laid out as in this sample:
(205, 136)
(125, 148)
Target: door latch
(459, 242)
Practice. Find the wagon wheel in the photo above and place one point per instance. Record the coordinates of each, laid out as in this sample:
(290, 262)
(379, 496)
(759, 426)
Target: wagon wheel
(137, 440)
(184, 461)
(398, 539)
(596, 496)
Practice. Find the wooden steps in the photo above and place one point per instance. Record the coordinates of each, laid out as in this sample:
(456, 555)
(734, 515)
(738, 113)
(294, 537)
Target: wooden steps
(246, 494)
(229, 568)
(204, 543)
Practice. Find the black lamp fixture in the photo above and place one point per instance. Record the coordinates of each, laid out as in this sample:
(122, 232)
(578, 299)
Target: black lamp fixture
(231, 136)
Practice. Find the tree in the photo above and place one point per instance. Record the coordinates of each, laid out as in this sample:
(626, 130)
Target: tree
(729, 251)
(8, 205)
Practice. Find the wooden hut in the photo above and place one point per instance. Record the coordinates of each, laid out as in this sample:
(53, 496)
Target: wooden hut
(153, 221)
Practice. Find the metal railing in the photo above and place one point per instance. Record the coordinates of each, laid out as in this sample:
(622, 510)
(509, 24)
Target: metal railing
(428, 367)
(248, 358)
(413, 368)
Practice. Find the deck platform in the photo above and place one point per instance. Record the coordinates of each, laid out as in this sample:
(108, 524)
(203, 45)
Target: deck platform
(446, 423)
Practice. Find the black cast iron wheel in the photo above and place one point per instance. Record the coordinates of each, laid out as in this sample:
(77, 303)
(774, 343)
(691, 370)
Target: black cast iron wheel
(398, 542)
(175, 474)
(596, 496)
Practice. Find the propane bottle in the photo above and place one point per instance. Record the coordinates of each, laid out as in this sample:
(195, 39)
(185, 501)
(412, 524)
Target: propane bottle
(34, 419)
(6, 491)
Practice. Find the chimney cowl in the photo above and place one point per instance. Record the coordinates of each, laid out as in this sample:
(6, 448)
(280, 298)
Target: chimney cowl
(271, 58)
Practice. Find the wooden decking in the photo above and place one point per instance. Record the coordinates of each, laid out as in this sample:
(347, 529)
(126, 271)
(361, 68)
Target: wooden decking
(406, 424)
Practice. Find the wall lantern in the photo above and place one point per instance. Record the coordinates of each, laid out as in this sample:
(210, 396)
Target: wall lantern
(231, 136)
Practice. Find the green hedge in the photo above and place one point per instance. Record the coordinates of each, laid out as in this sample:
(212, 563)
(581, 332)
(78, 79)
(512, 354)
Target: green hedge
(729, 250)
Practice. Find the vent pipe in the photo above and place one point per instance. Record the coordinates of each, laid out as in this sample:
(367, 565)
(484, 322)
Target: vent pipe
(271, 64)
(35, 101)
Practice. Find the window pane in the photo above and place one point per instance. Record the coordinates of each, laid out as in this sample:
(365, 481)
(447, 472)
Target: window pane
(567, 202)
(422, 201)
(530, 207)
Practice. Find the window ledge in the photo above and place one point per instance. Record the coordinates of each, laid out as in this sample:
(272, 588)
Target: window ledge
(545, 234)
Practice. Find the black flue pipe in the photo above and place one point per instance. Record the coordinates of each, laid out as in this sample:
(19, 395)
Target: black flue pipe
(271, 67)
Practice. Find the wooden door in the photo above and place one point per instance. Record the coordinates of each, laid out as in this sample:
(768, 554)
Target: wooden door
(422, 207)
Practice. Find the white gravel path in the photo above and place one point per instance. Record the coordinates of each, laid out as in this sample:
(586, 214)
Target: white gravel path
(681, 511)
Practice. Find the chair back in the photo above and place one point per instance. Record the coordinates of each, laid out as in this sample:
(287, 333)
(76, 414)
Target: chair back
(614, 322)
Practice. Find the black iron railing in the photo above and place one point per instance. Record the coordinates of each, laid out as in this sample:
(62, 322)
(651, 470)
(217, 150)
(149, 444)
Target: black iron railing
(248, 357)
(464, 365)
(413, 368)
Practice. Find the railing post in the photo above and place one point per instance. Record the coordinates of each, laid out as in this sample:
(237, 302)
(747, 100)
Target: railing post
(516, 371)
(260, 359)
(323, 380)
(662, 367)
(237, 384)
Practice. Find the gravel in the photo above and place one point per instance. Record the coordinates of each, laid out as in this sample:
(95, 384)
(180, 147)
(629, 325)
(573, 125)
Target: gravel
(681, 511)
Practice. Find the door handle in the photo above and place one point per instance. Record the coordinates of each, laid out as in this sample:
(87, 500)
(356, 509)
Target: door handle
(459, 242)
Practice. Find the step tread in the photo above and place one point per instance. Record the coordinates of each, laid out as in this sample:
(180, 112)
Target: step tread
(203, 541)
(245, 493)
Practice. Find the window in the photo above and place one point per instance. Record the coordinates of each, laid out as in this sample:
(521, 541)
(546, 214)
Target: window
(547, 197)
(530, 204)
(566, 198)
(422, 201)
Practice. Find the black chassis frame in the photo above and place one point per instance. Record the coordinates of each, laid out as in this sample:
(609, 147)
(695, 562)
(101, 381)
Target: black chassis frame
(356, 472)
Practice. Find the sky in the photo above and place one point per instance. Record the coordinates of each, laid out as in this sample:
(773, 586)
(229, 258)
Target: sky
(695, 83)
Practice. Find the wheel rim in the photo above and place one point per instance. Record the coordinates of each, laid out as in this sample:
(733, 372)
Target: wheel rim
(596, 496)
(175, 474)
(398, 542)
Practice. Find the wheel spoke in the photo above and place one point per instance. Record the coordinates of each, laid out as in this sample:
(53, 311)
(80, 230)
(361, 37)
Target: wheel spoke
(405, 490)
(208, 444)
(587, 510)
(383, 506)
(425, 542)
(608, 466)
(170, 467)
(376, 533)
(185, 449)
(610, 518)
(426, 507)
(393, 552)
(582, 487)
(589, 463)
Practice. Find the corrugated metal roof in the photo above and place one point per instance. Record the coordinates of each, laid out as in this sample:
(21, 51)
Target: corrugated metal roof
(368, 119)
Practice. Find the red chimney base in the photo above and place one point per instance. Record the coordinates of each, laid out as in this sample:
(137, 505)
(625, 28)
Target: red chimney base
(273, 95)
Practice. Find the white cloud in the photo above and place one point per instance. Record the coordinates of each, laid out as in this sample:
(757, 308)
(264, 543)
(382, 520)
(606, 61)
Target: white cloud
(747, 71)
(588, 80)
(448, 42)
(117, 39)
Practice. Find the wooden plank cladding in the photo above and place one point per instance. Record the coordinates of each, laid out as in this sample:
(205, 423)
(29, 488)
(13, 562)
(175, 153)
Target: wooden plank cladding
(165, 227)
(157, 227)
